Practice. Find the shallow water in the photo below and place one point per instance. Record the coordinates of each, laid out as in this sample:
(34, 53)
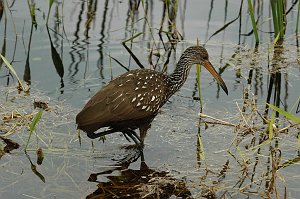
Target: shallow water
(74, 169)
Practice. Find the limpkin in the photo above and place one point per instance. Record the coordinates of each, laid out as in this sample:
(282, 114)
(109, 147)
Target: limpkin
(132, 100)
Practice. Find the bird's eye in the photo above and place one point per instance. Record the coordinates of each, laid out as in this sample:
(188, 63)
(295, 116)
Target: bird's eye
(205, 57)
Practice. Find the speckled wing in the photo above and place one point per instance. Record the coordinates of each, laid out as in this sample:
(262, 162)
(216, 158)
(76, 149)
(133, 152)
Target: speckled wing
(135, 95)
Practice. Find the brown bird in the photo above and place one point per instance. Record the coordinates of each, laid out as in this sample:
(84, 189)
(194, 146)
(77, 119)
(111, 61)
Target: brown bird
(132, 100)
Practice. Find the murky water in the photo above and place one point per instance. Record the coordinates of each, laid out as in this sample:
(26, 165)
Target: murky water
(68, 63)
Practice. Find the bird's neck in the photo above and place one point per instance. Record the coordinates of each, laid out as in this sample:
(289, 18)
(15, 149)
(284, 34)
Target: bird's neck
(180, 74)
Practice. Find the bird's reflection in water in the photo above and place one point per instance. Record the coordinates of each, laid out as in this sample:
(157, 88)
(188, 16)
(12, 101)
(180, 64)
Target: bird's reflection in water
(141, 183)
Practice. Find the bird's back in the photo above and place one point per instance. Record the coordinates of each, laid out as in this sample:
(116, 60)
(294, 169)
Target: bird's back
(125, 102)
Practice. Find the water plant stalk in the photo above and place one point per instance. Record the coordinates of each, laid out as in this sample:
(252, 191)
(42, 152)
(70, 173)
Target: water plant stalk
(250, 7)
(278, 13)
(298, 14)
(271, 124)
(12, 70)
(200, 152)
(50, 6)
(32, 13)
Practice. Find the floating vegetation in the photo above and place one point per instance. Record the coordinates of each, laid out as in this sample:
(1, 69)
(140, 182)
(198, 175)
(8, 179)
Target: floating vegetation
(21, 112)
(41, 105)
(10, 145)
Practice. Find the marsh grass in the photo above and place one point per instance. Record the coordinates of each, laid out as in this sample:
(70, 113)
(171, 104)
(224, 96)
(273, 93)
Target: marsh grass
(49, 9)
(285, 113)
(251, 11)
(12, 70)
(19, 116)
(298, 15)
(278, 10)
(278, 14)
(33, 125)
(200, 147)
(278, 18)
(258, 145)
(31, 7)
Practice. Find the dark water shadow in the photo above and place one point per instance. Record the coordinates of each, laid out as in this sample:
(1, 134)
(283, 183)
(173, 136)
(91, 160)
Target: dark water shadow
(4, 46)
(27, 72)
(57, 61)
(34, 168)
(275, 79)
(10, 145)
(143, 182)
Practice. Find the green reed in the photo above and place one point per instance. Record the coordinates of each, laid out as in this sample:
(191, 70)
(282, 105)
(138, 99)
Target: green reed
(298, 14)
(278, 13)
(278, 17)
(50, 6)
(251, 11)
(32, 12)
(200, 147)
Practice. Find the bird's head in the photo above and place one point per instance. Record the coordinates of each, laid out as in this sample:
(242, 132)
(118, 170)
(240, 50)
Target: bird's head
(199, 55)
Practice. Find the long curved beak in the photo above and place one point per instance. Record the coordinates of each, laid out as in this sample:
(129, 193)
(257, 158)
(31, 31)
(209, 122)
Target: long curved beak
(216, 75)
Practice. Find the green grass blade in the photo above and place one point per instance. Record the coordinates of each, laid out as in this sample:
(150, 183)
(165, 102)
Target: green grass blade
(35, 120)
(12, 70)
(198, 69)
(50, 6)
(271, 123)
(285, 114)
(298, 14)
(32, 126)
(275, 41)
(133, 37)
(32, 13)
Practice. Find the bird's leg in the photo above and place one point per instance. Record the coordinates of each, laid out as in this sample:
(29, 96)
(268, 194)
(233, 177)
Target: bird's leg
(136, 135)
(126, 136)
(143, 132)
(132, 134)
